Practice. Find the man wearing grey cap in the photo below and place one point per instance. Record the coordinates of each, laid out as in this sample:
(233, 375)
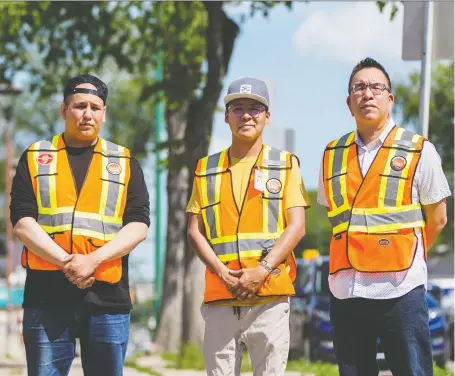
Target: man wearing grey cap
(246, 215)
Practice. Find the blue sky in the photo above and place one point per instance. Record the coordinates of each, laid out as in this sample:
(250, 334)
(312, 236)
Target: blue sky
(306, 56)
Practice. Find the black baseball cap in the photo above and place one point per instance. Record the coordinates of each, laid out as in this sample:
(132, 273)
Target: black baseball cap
(101, 88)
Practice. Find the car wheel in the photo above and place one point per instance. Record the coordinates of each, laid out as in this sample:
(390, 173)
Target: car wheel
(451, 340)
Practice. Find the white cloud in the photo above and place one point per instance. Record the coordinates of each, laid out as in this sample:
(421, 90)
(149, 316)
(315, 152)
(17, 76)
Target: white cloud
(234, 8)
(349, 32)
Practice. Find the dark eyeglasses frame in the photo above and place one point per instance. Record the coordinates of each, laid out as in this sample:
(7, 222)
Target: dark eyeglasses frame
(376, 88)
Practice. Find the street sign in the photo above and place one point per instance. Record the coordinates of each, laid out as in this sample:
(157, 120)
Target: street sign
(443, 30)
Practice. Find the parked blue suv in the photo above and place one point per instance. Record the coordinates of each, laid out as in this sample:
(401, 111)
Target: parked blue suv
(311, 331)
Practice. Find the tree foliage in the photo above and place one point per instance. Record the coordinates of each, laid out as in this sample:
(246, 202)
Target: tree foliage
(441, 123)
(52, 41)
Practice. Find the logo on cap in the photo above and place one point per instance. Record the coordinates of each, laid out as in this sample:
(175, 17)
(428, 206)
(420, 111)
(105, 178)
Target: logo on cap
(273, 185)
(245, 89)
(45, 158)
(114, 168)
(398, 163)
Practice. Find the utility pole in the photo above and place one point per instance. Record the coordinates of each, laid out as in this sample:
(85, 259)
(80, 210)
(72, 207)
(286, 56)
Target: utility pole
(425, 75)
(159, 250)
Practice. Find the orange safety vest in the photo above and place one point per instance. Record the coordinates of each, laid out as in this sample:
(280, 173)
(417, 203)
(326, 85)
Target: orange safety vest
(242, 236)
(79, 223)
(373, 217)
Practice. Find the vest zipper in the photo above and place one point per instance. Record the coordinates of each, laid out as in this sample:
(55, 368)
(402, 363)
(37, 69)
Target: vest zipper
(243, 200)
(77, 194)
(358, 190)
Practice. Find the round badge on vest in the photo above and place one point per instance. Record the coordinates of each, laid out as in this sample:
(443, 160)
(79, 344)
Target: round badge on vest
(45, 158)
(114, 168)
(398, 163)
(273, 185)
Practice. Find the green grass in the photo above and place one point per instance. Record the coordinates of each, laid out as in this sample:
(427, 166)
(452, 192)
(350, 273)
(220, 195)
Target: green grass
(192, 359)
(132, 364)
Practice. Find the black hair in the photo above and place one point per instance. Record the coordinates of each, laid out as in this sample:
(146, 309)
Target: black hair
(101, 88)
(368, 62)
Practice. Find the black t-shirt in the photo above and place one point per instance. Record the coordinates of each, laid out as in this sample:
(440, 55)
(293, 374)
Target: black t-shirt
(52, 288)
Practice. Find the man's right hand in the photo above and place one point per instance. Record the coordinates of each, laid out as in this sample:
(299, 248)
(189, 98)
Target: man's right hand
(85, 283)
(229, 280)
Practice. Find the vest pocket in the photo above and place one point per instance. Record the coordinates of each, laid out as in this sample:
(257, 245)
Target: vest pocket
(382, 252)
(278, 282)
(391, 192)
(338, 258)
(110, 271)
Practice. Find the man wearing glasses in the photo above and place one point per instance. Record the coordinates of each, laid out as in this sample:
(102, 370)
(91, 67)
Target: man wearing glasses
(246, 217)
(385, 190)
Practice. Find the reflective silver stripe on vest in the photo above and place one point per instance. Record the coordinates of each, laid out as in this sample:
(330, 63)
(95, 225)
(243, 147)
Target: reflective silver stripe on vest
(337, 167)
(212, 169)
(406, 140)
(43, 174)
(273, 163)
(393, 180)
(96, 225)
(225, 248)
(111, 154)
(79, 223)
(272, 199)
(243, 245)
(55, 219)
(409, 216)
(212, 163)
(340, 218)
(209, 210)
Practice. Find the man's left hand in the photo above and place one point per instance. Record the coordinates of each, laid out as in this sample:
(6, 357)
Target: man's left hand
(250, 281)
(80, 268)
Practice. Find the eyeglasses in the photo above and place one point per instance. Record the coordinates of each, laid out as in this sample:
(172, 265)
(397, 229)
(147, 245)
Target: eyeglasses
(253, 111)
(376, 88)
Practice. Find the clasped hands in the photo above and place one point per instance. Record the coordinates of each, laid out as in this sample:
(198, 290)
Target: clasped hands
(80, 270)
(244, 283)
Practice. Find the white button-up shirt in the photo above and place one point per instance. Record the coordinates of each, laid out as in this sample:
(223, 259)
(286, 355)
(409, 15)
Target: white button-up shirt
(429, 186)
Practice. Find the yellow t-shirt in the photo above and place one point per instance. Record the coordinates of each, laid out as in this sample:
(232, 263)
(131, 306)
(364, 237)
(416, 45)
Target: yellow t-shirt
(294, 195)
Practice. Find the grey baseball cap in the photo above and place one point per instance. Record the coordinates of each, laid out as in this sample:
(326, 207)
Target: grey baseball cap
(250, 88)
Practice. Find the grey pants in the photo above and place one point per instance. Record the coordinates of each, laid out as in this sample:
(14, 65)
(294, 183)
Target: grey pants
(262, 329)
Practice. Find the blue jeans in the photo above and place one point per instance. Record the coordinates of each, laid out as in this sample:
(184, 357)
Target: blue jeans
(401, 325)
(50, 334)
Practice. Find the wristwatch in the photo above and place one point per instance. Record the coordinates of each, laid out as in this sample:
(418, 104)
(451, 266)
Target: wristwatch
(266, 266)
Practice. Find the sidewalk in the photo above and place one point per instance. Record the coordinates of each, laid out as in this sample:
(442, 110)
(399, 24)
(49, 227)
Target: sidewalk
(17, 367)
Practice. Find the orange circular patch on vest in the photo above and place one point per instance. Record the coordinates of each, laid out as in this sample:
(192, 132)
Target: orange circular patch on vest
(273, 185)
(398, 163)
(383, 242)
(45, 158)
(114, 168)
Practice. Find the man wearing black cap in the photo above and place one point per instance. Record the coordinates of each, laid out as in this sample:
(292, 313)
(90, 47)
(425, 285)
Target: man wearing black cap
(246, 217)
(79, 204)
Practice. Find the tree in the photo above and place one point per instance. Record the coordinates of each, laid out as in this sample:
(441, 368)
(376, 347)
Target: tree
(318, 228)
(441, 124)
(195, 42)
